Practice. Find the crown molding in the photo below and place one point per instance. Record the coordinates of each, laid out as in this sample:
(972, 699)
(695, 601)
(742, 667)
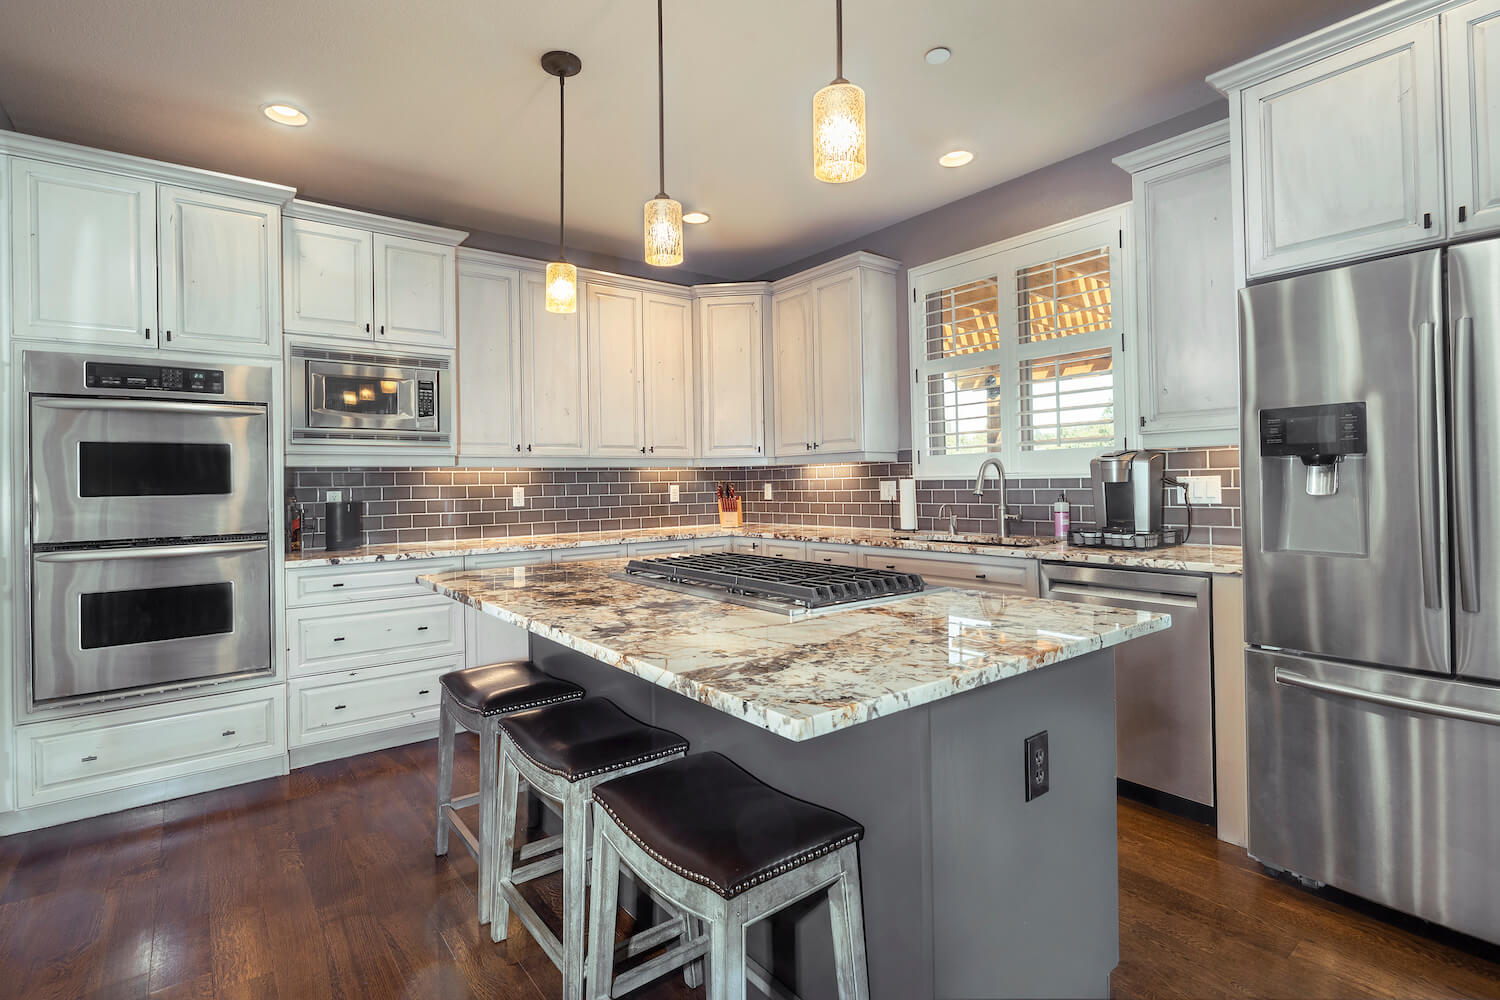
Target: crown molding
(1199, 139)
(859, 258)
(724, 289)
(53, 151)
(313, 211)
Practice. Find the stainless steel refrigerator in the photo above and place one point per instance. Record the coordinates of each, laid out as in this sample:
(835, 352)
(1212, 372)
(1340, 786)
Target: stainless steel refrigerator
(1371, 489)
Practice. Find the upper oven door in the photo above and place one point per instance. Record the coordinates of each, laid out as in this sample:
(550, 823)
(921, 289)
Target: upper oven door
(371, 397)
(114, 469)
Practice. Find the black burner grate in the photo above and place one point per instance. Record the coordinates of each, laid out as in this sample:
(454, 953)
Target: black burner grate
(812, 585)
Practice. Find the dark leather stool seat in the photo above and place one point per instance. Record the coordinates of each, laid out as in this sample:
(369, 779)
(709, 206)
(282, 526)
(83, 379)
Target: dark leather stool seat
(580, 739)
(710, 821)
(513, 686)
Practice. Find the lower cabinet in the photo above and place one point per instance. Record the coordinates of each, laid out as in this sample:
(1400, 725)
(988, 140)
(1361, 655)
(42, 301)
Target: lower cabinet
(373, 632)
(68, 758)
(834, 555)
(1010, 576)
(357, 702)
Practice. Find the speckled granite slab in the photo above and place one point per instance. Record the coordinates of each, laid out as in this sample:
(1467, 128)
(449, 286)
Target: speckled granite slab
(800, 679)
(1221, 559)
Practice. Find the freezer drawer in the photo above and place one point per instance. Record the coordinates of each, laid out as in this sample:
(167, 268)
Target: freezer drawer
(1164, 696)
(1380, 783)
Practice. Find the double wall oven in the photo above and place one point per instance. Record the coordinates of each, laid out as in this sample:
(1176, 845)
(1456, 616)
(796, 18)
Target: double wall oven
(149, 526)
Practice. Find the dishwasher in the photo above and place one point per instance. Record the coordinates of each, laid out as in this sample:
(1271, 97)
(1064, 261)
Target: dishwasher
(1164, 693)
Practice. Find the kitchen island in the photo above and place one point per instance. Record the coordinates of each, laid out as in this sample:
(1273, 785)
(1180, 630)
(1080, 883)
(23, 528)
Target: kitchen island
(909, 716)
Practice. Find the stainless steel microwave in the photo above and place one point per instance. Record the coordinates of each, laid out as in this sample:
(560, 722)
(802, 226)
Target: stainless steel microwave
(346, 397)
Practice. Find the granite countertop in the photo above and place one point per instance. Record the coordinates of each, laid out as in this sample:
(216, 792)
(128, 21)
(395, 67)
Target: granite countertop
(1221, 559)
(798, 679)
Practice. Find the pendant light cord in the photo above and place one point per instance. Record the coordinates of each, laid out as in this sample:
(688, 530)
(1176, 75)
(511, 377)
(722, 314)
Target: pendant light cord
(562, 188)
(838, 13)
(661, 109)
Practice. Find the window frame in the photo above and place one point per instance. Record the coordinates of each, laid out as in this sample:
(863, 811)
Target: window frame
(1002, 260)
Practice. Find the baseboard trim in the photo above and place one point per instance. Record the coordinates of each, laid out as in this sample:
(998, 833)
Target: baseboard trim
(1167, 802)
(350, 746)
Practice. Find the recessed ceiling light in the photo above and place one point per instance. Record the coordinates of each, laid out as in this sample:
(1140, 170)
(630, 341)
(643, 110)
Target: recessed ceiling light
(955, 158)
(285, 114)
(938, 56)
(696, 218)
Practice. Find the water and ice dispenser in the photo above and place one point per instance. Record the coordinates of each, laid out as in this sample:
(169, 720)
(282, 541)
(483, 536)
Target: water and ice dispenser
(1313, 478)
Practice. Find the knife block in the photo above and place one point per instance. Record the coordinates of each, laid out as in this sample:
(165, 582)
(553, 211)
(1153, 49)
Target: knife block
(731, 518)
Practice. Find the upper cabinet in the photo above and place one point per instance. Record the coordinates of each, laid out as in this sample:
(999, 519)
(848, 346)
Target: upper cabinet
(617, 402)
(731, 395)
(116, 259)
(669, 381)
(489, 360)
(833, 362)
(1378, 134)
(554, 375)
(363, 277)
(1185, 282)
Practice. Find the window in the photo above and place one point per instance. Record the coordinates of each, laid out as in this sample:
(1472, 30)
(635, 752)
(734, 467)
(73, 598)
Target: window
(1017, 349)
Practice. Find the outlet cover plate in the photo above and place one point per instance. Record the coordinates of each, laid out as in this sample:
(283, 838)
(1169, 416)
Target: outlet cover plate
(518, 496)
(335, 496)
(1038, 766)
(765, 491)
(887, 489)
(674, 493)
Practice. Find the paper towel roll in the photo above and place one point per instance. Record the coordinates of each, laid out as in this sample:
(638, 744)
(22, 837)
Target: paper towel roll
(907, 491)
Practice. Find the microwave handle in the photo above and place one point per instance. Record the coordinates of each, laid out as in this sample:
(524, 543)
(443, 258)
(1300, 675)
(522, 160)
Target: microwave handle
(150, 406)
(153, 552)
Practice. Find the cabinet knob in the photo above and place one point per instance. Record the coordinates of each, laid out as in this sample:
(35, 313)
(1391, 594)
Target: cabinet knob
(367, 328)
(518, 447)
(528, 447)
(816, 444)
(228, 732)
(643, 449)
(653, 449)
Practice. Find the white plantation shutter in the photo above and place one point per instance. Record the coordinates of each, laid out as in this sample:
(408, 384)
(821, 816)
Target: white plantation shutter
(1016, 352)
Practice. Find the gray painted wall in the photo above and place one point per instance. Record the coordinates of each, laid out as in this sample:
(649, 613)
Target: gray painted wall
(586, 258)
(1067, 189)
(5, 121)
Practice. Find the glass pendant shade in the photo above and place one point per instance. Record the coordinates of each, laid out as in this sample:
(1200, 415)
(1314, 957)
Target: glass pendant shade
(562, 287)
(839, 133)
(663, 232)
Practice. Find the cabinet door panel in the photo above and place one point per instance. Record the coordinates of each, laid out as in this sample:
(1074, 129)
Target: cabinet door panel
(413, 292)
(489, 362)
(730, 361)
(220, 272)
(1343, 157)
(839, 365)
(1471, 36)
(669, 377)
(794, 429)
(616, 406)
(329, 280)
(84, 260)
(554, 394)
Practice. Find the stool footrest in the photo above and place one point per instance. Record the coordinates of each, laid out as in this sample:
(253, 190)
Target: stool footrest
(537, 848)
(458, 826)
(639, 944)
(464, 801)
(659, 966)
(536, 870)
(533, 922)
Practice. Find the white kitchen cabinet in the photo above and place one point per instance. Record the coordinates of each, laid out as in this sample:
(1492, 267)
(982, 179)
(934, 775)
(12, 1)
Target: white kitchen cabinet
(327, 270)
(589, 553)
(83, 255)
(1471, 50)
(220, 273)
(617, 407)
(1342, 156)
(309, 586)
(834, 555)
(1185, 346)
(780, 549)
(489, 360)
(730, 342)
(554, 370)
(414, 292)
(372, 699)
(1005, 575)
(833, 361)
(668, 357)
(346, 637)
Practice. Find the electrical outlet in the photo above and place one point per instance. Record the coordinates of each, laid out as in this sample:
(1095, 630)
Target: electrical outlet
(518, 496)
(1038, 766)
(765, 491)
(335, 496)
(887, 489)
(674, 493)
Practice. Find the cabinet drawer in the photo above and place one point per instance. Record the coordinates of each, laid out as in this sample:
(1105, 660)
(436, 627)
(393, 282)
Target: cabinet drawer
(73, 757)
(354, 702)
(588, 553)
(713, 545)
(501, 560)
(363, 582)
(782, 550)
(374, 632)
(835, 555)
(1012, 576)
(656, 548)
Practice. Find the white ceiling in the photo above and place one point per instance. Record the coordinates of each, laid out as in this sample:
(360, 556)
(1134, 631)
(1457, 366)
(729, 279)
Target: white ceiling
(437, 109)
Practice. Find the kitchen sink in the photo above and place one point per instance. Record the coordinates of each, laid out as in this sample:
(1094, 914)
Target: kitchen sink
(1013, 542)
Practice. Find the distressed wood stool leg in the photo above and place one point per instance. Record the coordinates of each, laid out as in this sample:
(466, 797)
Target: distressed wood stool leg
(503, 848)
(846, 912)
(575, 872)
(489, 763)
(446, 727)
(603, 905)
(726, 954)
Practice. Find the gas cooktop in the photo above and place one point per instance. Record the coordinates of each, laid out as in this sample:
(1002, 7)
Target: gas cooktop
(797, 587)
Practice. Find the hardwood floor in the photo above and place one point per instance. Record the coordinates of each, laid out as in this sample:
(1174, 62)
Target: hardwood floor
(323, 884)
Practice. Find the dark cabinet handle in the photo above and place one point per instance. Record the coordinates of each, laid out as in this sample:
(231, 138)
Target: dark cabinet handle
(518, 447)
(169, 336)
(1426, 220)
(528, 447)
(148, 333)
(228, 732)
(424, 691)
(1463, 213)
(339, 708)
(421, 628)
(382, 329)
(653, 449)
(979, 576)
(337, 585)
(807, 446)
(338, 638)
(643, 449)
(89, 758)
(816, 444)
(367, 328)
(889, 566)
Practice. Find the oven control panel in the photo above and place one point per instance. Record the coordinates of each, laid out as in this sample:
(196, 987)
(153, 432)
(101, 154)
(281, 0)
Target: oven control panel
(426, 399)
(110, 375)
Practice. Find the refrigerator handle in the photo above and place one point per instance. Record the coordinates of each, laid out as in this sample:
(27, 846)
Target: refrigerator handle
(1465, 517)
(1429, 406)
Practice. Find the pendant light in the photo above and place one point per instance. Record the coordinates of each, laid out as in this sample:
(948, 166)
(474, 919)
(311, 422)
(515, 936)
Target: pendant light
(663, 215)
(839, 123)
(562, 277)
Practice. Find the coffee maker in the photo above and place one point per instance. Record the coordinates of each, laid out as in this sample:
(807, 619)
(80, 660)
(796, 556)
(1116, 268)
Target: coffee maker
(1128, 502)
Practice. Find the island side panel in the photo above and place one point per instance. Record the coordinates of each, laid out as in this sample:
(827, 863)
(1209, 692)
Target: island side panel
(1026, 894)
(878, 773)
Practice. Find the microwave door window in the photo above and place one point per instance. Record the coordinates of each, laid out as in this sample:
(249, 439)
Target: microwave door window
(366, 396)
(153, 469)
(155, 614)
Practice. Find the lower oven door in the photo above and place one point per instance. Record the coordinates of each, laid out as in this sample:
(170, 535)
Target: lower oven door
(118, 619)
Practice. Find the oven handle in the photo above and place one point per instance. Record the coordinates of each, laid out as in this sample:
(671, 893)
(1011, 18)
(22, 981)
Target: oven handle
(153, 406)
(153, 552)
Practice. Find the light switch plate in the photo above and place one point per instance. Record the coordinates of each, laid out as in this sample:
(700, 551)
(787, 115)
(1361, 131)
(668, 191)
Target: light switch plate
(674, 493)
(335, 496)
(887, 489)
(765, 491)
(1205, 489)
(518, 496)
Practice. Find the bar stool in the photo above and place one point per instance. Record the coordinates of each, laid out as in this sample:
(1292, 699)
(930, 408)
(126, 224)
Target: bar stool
(727, 850)
(475, 699)
(563, 752)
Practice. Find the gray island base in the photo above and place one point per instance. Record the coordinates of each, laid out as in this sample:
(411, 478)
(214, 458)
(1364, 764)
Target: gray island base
(969, 890)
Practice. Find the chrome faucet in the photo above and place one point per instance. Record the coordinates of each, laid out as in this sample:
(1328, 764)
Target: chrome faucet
(1001, 514)
(946, 510)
